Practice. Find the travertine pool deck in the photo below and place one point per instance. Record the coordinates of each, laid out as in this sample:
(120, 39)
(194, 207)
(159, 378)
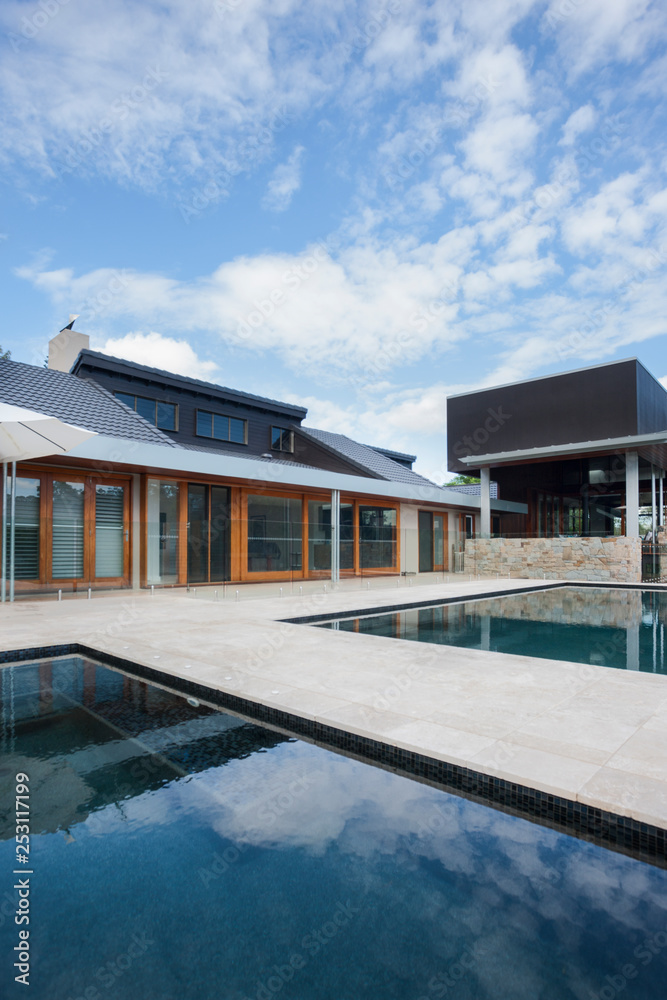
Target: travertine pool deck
(583, 732)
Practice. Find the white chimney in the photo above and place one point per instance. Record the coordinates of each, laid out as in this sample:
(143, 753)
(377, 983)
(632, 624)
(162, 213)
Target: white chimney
(64, 347)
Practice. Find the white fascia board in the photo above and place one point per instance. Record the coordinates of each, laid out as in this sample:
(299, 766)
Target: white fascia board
(607, 444)
(108, 453)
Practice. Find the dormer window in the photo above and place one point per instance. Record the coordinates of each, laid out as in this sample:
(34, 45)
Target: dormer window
(158, 412)
(221, 427)
(282, 439)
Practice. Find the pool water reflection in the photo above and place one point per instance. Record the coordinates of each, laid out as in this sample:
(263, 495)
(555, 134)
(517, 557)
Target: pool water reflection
(624, 629)
(183, 853)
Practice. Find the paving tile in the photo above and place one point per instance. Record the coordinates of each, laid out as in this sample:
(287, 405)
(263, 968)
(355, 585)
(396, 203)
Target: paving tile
(572, 732)
(457, 746)
(644, 753)
(645, 799)
(540, 769)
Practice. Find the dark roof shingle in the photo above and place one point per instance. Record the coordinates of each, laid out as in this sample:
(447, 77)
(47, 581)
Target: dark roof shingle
(75, 400)
(378, 465)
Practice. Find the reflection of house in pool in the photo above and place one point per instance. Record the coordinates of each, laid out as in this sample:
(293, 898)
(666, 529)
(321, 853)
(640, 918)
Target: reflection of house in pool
(624, 629)
(91, 736)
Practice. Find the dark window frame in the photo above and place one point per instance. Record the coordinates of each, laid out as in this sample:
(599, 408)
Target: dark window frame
(225, 416)
(151, 399)
(283, 431)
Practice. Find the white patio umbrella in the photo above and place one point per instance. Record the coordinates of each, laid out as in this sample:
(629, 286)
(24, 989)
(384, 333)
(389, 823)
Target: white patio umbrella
(24, 435)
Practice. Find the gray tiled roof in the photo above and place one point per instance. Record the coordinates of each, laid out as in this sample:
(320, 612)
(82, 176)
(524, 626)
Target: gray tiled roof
(75, 400)
(473, 489)
(402, 456)
(378, 465)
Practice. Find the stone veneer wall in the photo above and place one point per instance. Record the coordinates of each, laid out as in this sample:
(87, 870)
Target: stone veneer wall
(616, 559)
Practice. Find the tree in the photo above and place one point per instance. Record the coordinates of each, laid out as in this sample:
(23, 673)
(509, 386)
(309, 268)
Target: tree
(462, 481)
(6, 355)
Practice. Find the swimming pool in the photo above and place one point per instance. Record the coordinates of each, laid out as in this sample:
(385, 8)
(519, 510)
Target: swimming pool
(617, 628)
(180, 852)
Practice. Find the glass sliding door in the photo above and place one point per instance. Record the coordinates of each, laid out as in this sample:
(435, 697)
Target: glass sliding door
(432, 537)
(347, 536)
(319, 535)
(219, 534)
(377, 537)
(26, 532)
(197, 533)
(110, 531)
(90, 531)
(274, 534)
(425, 541)
(67, 530)
(163, 532)
(438, 542)
(209, 527)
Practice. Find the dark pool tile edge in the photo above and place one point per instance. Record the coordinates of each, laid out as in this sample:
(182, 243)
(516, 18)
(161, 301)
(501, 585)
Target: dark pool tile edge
(642, 841)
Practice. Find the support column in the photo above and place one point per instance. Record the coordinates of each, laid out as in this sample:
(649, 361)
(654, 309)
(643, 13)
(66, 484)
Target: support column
(661, 507)
(12, 534)
(3, 585)
(335, 536)
(485, 505)
(632, 494)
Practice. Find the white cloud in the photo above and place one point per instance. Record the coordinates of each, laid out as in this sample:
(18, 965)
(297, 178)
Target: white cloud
(159, 352)
(591, 32)
(499, 147)
(184, 92)
(286, 180)
(579, 121)
(362, 308)
(491, 77)
(612, 212)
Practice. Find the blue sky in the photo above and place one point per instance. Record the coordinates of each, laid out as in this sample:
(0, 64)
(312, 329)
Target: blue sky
(362, 207)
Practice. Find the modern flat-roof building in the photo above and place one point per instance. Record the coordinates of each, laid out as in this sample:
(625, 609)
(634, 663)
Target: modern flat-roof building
(188, 482)
(583, 450)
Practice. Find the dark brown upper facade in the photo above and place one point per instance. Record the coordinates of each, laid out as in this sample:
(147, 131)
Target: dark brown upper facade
(603, 403)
